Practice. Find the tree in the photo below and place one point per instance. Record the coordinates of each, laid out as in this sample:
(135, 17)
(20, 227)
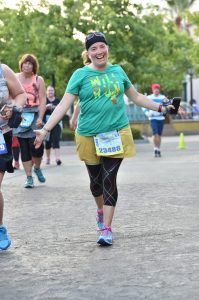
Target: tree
(179, 8)
(44, 33)
(194, 19)
(146, 46)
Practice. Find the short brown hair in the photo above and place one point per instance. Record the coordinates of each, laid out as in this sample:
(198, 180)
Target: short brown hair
(32, 59)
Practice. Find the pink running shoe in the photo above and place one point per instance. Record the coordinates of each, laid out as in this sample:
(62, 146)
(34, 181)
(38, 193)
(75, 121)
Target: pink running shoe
(106, 237)
(47, 161)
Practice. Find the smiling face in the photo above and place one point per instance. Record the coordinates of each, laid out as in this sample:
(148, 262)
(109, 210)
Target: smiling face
(98, 54)
(156, 91)
(50, 92)
(27, 67)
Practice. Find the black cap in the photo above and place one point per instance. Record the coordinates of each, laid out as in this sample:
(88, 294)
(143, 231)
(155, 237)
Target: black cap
(94, 37)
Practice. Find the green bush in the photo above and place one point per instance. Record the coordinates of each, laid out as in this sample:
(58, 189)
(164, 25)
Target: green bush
(136, 134)
(69, 134)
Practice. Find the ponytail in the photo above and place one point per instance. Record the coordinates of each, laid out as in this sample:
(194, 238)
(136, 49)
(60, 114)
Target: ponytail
(86, 59)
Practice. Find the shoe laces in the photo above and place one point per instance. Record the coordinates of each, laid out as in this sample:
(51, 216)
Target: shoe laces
(106, 231)
(39, 173)
(29, 179)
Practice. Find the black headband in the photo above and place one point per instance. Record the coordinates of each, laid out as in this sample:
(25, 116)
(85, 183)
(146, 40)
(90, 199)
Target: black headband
(93, 38)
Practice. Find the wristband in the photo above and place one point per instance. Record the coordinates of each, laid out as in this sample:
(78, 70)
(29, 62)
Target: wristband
(44, 128)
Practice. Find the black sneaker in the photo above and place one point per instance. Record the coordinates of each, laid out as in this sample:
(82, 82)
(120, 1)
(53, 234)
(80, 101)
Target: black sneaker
(58, 162)
(159, 153)
(156, 153)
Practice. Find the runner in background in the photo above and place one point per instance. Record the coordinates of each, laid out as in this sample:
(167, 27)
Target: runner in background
(16, 152)
(156, 118)
(33, 113)
(55, 134)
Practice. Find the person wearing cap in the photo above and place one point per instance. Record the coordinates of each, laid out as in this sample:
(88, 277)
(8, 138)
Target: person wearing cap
(156, 118)
(103, 135)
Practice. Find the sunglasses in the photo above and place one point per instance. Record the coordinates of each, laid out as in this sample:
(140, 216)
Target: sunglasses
(92, 34)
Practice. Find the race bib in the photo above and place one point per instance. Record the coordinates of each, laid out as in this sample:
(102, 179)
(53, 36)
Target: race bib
(27, 119)
(47, 118)
(108, 143)
(3, 148)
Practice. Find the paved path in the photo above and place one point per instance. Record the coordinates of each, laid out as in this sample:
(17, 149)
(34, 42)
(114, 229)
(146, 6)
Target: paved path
(54, 255)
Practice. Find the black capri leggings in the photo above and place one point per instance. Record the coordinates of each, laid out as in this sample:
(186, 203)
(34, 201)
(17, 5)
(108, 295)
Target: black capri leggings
(54, 140)
(28, 149)
(103, 179)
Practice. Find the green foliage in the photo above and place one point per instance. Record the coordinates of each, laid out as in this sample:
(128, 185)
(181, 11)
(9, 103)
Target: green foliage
(194, 19)
(149, 48)
(136, 134)
(180, 6)
(68, 134)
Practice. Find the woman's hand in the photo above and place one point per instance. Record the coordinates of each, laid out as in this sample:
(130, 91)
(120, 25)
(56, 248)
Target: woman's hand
(49, 106)
(181, 111)
(73, 123)
(40, 136)
(166, 109)
(39, 122)
(6, 113)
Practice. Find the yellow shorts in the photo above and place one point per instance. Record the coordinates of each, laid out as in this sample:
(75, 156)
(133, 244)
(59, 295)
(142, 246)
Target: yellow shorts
(87, 152)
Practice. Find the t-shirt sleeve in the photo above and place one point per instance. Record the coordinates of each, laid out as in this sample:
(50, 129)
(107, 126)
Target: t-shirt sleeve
(127, 81)
(73, 85)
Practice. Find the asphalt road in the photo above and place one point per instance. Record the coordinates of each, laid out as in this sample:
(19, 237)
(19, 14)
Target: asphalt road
(155, 255)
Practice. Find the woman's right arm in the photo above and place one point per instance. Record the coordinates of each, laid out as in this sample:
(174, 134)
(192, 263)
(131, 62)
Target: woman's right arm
(55, 117)
(73, 120)
(15, 88)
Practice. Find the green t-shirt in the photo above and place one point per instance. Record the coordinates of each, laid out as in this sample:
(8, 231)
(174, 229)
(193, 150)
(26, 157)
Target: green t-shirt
(101, 100)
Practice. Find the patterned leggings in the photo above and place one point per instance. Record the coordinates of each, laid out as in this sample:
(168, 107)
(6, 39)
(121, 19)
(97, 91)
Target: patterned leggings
(103, 179)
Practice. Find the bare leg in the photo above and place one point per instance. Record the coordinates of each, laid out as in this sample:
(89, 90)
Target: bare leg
(48, 153)
(57, 153)
(156, 141)
(108, 214)
(37, 161)
(27, 167)
(99, 201)
(1, 200)
(5, 241)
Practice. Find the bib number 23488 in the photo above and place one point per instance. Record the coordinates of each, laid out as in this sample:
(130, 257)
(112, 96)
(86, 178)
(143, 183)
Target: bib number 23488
(108, 143)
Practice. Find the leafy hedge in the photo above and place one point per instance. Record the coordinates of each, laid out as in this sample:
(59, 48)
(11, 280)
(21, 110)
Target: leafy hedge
(136, 134)
(68, 134)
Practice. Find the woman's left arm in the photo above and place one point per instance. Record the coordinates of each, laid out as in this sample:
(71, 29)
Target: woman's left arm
(42, 99)
(141, 100)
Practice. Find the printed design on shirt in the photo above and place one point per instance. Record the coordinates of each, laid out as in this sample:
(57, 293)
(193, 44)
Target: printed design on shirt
(107, 85)
(33, 94)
